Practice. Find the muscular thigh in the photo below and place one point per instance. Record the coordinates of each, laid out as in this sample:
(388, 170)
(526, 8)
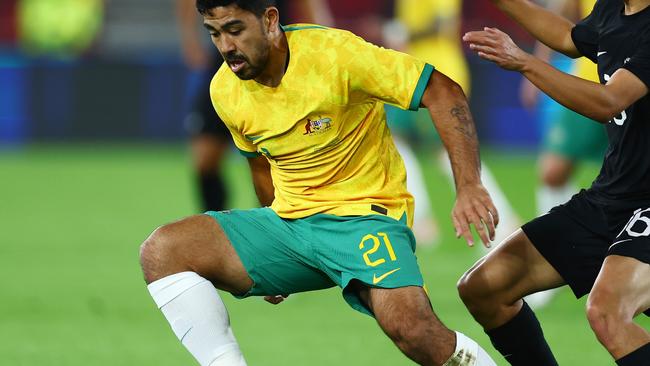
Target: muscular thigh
(627, 267)
(197, 244)
(624, 282)
(513, 270)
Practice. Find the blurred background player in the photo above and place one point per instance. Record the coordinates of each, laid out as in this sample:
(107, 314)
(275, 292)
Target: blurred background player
(568, 137)
(210, 139)
(64, 29)
(430, 31)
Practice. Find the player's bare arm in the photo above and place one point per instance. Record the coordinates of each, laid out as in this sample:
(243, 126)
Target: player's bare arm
(194, 54)
(262, 181)
(545, 25)
(596, 101)
(449, 110)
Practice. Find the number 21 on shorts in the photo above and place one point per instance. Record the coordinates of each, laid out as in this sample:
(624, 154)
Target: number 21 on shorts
(372, 243)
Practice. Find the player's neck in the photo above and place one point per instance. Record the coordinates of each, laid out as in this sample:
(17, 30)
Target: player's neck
(278, 62)
(635, 6)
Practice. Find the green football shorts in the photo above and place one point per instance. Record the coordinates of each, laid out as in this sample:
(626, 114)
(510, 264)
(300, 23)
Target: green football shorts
(286, 256)
(576, 137)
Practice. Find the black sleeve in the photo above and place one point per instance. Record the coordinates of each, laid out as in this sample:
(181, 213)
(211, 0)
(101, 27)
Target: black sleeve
(585, 34)
(639, 63)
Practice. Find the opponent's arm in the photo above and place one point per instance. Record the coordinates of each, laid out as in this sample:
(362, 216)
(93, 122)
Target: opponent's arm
(261, 174)
(449, 110)
(596, 101)
(546, 26)
(195, 56)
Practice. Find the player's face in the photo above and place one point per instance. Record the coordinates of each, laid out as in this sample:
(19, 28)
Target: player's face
(242, 39)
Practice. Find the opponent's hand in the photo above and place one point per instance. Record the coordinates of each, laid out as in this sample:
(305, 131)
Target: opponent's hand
(475, 207)
(494, 45)
(275, 299)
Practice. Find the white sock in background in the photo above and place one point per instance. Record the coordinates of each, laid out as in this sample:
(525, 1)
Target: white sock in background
(549, 197)
(509, 221)
(425, 227)
(198, 317)
(468, 353)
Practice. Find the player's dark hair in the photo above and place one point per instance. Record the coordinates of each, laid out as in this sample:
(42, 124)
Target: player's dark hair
(257, 7)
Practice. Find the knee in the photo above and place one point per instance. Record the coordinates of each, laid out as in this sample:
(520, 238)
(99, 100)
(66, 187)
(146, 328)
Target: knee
(154, 251)
(471, 289)
(408, 336)
(606, 317)
(176, 247)
(555, 175)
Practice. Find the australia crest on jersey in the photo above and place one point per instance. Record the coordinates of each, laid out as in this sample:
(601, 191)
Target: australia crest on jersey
(317, 126)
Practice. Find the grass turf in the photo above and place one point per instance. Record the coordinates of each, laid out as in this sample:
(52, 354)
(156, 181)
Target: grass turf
(71, 221)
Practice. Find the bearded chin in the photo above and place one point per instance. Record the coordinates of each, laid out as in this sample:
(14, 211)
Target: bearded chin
(255, 70)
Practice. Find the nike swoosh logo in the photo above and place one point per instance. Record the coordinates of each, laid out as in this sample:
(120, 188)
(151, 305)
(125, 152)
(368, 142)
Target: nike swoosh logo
(619, 242)
(376, 280)
(601, 53)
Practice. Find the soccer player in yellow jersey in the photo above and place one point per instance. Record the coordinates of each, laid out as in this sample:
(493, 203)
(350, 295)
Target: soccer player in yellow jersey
(305, 104)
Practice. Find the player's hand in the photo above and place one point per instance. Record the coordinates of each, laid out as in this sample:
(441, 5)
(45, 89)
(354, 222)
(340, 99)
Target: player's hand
(475, 207)
(494, 45)
(275, 299)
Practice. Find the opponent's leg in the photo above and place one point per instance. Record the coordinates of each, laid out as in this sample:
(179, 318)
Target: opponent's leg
(182, 263)
(492, 291)
(405, 315)
(621, 291)
(208, 150)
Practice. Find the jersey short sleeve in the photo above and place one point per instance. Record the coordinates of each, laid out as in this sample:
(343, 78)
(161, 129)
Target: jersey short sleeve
(585, 35)
(243, 144)
(639, 63)
(390, 76)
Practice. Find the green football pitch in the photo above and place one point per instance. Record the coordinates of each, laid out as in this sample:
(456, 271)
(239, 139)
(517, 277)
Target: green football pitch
(72, 219)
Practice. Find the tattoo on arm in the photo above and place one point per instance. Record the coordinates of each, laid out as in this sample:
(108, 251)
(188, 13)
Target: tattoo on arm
(465, 124)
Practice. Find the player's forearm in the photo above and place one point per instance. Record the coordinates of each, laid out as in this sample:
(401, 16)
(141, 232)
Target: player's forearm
(186, 16)
(546, 26)
(590, 99)
(450, 112)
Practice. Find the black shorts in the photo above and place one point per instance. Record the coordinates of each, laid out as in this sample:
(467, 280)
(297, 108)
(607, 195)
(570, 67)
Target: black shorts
(202, 119)
(576, 237)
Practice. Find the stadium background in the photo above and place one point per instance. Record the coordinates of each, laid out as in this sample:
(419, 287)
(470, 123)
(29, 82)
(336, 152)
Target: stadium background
(93, 156)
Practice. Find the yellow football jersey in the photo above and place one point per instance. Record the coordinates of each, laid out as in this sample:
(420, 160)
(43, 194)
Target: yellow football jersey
(323, 129)
(420, 15)
(584, 67)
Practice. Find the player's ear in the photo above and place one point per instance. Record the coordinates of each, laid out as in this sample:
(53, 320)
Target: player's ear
(271, 19)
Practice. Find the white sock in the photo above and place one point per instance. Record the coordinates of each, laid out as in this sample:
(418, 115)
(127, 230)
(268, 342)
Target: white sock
(198, 317)
(509, 221)
(468, 353)
(549, 197)
(425, 227)
(414, 180)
